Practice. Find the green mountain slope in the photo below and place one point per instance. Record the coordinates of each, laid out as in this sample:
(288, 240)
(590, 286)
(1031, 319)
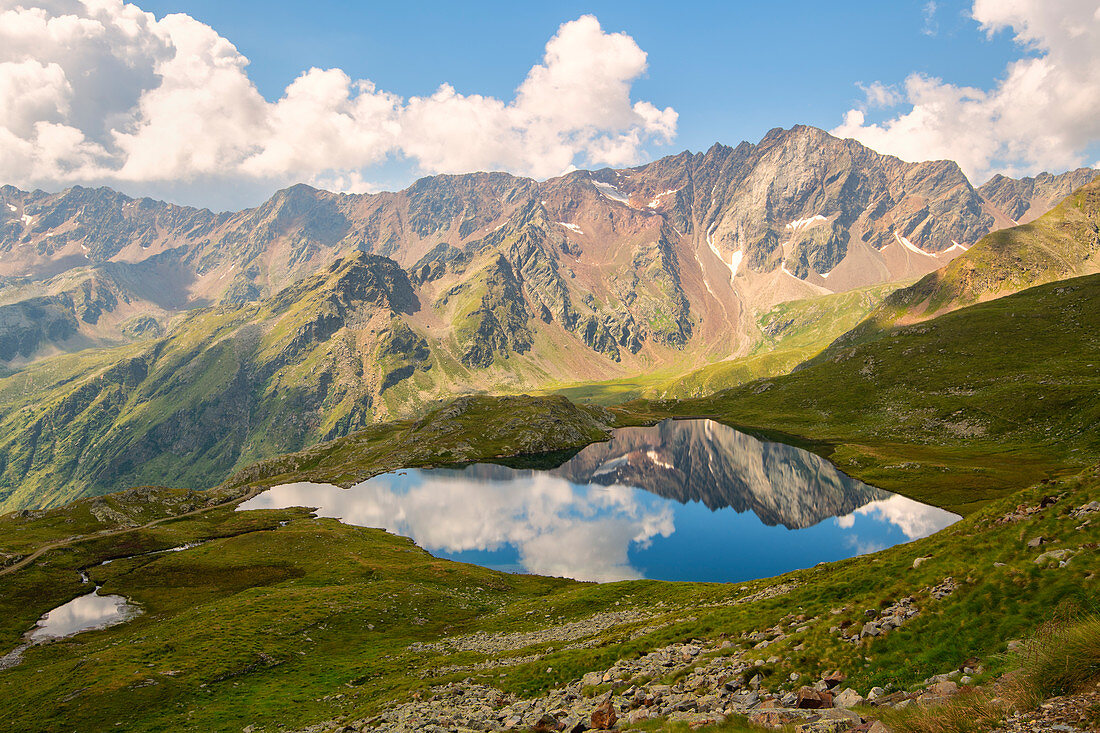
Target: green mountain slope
(1062, 243)
(230, 385)
(791, 333)
(969, 403)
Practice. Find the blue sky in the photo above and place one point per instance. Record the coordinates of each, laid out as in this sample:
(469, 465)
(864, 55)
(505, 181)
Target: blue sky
(733, 70)
(220, 103)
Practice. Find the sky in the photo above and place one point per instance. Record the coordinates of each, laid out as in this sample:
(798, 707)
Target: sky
(219, 104)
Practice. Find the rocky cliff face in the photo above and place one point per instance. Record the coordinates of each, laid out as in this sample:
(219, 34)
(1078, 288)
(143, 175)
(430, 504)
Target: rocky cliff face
(1026, 199)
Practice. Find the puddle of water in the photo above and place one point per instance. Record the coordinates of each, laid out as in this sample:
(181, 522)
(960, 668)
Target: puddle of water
(91, 611)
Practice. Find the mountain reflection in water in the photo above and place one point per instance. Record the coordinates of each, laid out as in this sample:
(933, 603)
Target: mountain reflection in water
(669, 502)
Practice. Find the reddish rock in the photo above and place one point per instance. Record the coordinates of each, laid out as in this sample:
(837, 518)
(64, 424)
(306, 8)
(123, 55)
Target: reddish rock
(604, 717)
(811, 699)
(772, 718)
(833, 679)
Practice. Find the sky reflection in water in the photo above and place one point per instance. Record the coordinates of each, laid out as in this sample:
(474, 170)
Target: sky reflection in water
(727, 497)
(91, 611)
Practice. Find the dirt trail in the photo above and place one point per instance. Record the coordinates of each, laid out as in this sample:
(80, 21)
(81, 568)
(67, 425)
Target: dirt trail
(123, 530)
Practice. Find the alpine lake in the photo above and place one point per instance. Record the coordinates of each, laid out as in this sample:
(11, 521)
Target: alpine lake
(690, 500)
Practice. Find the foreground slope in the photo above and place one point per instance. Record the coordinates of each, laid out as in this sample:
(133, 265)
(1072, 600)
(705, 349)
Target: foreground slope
(275, 619)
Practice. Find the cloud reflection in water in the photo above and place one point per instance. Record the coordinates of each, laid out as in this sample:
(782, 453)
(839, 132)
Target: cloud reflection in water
(557, 528)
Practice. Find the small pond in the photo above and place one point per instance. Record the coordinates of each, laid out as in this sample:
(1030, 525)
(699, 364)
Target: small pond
(682, 500)
(91, 611)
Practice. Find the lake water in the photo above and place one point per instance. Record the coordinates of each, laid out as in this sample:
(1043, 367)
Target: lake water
(91, 611)
(682, 500)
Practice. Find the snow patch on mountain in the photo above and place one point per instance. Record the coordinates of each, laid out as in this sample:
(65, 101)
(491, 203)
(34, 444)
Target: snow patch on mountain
(734, 262)
(904, 242)
(571, 227)
(656, 200)
(655, 458)
(611, 192)
(800, 224)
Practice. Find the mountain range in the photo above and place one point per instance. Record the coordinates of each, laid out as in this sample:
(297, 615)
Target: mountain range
(226, 338)
(629, 262)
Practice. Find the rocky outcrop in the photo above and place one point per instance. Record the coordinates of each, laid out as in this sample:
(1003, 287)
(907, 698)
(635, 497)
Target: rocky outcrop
(28, 326)
(1025, 199)
(496, 323)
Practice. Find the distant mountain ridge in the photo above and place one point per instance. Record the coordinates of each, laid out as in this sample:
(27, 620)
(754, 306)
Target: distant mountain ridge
(672, 252)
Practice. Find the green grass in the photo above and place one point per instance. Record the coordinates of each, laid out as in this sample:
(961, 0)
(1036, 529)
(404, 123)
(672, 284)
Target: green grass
(1064, 656)
(283, 618)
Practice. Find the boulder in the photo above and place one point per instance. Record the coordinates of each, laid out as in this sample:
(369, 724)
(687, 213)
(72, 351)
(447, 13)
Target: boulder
(848, 698)
(547, 724)
(1054, 557)
(825, 726)
(604, 717)
(592, 679)
(811, 699)
(945, 688)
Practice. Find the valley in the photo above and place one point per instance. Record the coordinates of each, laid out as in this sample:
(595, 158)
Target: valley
(546, 368)
(309, 623)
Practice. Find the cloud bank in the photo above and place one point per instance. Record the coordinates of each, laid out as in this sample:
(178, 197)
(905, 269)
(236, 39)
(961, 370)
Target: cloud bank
(1042, 115)
(99, 91)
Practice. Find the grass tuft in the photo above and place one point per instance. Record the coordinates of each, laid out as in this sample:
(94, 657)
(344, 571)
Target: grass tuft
(1063, 656)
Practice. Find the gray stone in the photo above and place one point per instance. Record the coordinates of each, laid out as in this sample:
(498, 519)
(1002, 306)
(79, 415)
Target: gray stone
(848, 698)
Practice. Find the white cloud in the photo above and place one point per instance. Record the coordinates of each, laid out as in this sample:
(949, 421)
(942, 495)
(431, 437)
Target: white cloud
(914, 519)
(878, 94)
(1043, 115)
(555, 527)
(98, 91)
(928, 12)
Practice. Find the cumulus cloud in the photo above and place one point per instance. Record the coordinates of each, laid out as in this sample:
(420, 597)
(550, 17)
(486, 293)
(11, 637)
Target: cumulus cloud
(99, 91)
(1042, 115)
(555, 527)
(914, 519)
